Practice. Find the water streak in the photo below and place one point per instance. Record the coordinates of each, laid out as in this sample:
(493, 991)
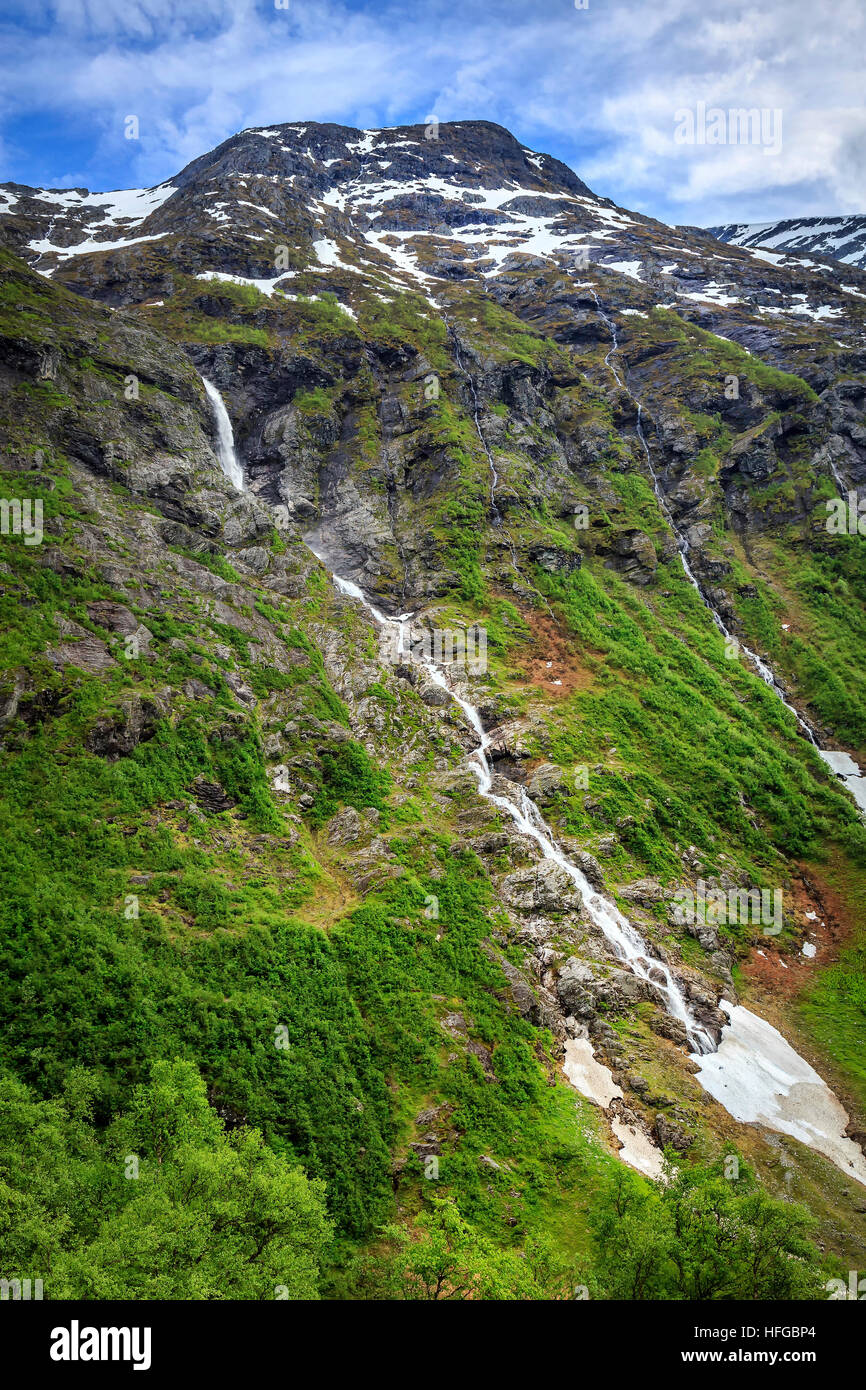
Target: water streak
(225, 437)
(754, 1073)
(626, 943)
(496, 515)
(683, 546)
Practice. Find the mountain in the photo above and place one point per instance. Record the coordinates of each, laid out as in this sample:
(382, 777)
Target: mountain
(419, 840)
(839, 238)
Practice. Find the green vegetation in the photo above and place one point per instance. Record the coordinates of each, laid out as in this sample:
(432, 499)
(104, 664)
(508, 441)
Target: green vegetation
(715, 354)
(163, 1204)
(272, 1012)
(706, 1236)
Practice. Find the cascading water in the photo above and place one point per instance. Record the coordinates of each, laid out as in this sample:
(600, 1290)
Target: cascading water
(760, 666)
(838, 479)
(225, 437)
(841, 763)
(754, 1074)
(496, 515)
(625, 941)
(494, 475)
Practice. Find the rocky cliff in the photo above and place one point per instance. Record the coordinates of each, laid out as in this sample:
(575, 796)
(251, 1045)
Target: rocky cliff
(484, 395)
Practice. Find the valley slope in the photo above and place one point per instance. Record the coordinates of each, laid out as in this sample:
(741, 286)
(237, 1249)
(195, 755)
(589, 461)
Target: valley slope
(243, 841)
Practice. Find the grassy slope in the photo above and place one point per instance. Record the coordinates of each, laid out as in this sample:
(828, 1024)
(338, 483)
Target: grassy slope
(229, 942)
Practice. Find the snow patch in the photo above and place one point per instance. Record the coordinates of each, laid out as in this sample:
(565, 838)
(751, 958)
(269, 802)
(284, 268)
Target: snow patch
(759, 1079)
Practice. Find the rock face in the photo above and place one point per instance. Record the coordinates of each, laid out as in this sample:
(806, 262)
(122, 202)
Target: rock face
(499, 404)
(545, 781)
(672, 1135)
(117, 735)
(544, 888)
(583, 989)
(347, 441)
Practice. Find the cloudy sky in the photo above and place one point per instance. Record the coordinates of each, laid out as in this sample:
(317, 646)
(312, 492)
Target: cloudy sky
(603, 88)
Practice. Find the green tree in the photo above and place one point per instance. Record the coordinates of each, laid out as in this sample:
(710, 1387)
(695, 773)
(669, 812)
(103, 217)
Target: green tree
(169, 1205)
(699, 1235)
(444, 1258)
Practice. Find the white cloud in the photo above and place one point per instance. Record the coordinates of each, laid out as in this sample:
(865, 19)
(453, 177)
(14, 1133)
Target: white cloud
(598, 87)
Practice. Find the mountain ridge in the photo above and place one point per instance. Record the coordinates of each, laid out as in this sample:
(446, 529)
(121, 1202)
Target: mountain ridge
(841, 238)
(504, 404)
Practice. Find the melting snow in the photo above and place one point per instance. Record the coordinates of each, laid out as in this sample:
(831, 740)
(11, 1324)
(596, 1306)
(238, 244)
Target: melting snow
(629, 268)
(120, 203)
(264, 286)
(44, 247)
(712, 294)
(588, 1076)
(759, 1079)
(328, 254)
(848, 770)
(257, 208)
(638, 1150)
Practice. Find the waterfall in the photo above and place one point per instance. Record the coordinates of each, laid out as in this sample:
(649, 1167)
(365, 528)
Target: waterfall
(496, 515)
(837, 479)
(841, 764)
(625, 941)
(754, 1073)
(494, 475)
(225, 437)
(853, 779)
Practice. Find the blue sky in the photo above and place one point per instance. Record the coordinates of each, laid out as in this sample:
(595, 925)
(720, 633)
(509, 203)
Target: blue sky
(603, 88)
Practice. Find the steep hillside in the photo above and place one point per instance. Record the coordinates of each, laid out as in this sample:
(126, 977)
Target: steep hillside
(569, 466)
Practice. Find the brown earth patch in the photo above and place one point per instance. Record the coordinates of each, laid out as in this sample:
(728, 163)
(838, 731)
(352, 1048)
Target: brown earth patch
(552, 661)
(787, 972)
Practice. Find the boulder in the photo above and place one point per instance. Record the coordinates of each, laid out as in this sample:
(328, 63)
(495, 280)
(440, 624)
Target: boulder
(211, 796)
(607, 846)
(554, 559)
(345, 827)
(545, 781)
(575, 989)
(644, 890)
(670, 1135)
(544, 887)
(118, 733)
(587, 863)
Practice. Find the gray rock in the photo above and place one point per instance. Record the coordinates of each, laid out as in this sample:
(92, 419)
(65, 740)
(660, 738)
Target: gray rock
(345, 827)
(670, 1135)
(545, 887)
(545, 781)
(135, 721)
(644, 890)
(587, 863)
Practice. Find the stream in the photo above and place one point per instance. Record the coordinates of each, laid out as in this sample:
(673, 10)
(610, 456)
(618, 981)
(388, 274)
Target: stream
(840, 763)
(754, 1073)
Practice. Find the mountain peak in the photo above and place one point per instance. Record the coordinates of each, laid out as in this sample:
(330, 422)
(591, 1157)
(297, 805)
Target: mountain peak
(476, 153)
